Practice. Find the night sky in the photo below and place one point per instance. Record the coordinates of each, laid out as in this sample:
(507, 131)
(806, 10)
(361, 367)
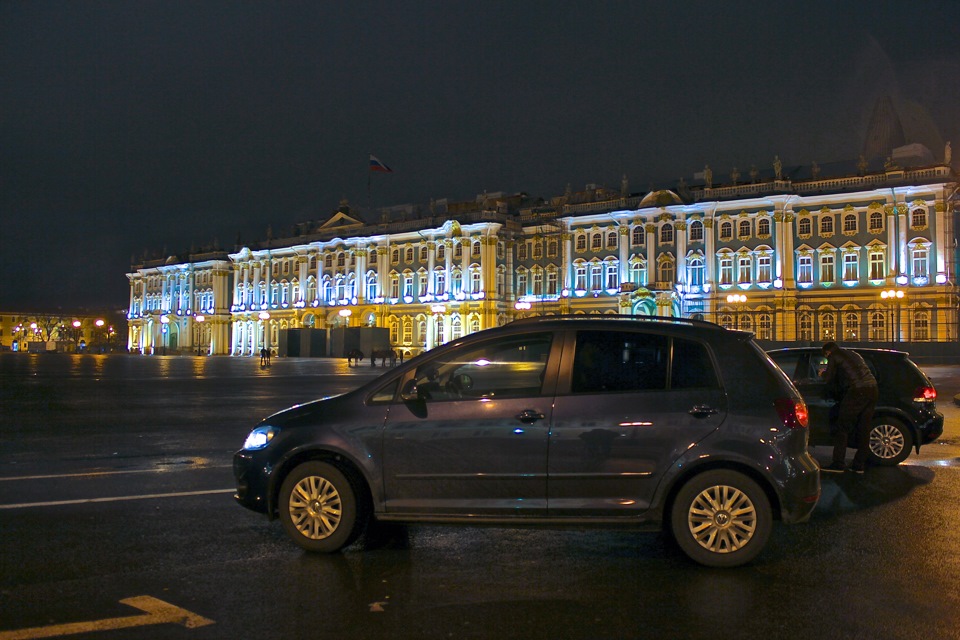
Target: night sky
(130, 126)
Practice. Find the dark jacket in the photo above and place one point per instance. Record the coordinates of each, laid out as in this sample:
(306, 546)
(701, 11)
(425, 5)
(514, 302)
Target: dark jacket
(847, 370)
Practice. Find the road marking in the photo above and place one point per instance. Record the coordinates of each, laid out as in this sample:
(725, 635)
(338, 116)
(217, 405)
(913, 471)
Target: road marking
(92, 474)
(146, 496)
(155, 612)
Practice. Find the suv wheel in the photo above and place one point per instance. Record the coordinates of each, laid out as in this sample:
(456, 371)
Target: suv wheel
(890, 442)
(319, 508)
(721, 518)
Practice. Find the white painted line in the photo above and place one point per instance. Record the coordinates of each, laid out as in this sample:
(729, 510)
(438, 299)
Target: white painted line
(93, 474)
(155, 612)
(147, 496)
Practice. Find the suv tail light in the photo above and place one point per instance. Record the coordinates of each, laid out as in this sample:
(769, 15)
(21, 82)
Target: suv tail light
(925, 394)
(792, 411)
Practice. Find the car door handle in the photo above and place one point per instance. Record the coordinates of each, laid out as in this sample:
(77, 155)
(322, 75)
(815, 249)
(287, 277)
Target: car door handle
(702, 411)
(529, 416)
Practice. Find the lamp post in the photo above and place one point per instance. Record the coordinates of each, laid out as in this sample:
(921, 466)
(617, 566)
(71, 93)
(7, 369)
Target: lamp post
(200, 319)
(98, 338)
(164, 329)
(738, 300)
(76, 334)
(264, 318)
(895, 296)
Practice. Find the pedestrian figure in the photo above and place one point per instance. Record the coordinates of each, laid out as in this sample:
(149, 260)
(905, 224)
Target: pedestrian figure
(849, 381)
(263, 356)
(401, 355)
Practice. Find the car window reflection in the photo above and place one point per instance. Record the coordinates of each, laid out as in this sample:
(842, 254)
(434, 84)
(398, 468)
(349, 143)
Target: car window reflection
(499, 369)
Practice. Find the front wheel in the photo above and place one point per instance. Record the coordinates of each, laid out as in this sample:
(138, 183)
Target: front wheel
(890, 442)
(319, 508)
(721, 518)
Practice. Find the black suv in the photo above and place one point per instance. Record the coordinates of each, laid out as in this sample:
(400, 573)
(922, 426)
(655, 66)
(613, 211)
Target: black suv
(572, 420)
(906, 415)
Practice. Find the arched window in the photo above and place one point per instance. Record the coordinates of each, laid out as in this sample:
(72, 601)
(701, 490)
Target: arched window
(803, 227)
(918, 219)
(851, 326)
(743, 229)
(876, 221)
(695, 271)
(666, 233)
(639, 236)
(696, 231)
(581, 242)
(826, 226)
(726, 230)
(763, 227)
(805, 325)
(850, 223)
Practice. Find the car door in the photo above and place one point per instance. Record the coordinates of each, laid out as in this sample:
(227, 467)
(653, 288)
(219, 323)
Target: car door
(805, 367)
(629, 405)
(469, 436)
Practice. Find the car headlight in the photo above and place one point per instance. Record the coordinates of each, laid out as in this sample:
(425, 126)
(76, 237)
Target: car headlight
(260, 437)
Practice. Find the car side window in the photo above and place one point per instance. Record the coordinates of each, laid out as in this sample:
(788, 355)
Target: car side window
(504, 368)
(611, 361)
(692, 367)
(795, 365)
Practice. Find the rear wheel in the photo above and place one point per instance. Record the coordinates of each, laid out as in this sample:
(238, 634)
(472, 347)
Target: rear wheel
(721, 518)
(319, 509)
(890, 442)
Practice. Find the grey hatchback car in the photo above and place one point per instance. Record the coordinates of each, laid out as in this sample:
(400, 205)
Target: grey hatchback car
(554, 421)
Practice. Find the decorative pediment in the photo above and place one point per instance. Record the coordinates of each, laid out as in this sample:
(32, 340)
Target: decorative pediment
(340, 220)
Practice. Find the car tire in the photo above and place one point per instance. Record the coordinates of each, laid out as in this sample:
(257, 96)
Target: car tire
(319, 508)
(721, 518)
(890, 442)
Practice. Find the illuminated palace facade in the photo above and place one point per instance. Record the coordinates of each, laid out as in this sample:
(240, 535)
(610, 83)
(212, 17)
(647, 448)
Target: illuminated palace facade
(859, 258)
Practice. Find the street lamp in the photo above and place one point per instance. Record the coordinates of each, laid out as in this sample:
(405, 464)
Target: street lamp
(264, 316)
(738, 300)
(345, 316)
(164, 329)
(199, 320)
(895, 296)
(76, 334)
(98, 338)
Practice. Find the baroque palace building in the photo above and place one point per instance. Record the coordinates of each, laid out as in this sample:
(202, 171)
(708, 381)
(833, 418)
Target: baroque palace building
(865, 255)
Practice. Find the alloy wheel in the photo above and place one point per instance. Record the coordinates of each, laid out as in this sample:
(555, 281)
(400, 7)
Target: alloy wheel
(722, 519)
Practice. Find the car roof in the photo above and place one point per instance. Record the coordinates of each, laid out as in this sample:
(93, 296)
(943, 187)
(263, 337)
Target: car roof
(866, 350)
(687, 326)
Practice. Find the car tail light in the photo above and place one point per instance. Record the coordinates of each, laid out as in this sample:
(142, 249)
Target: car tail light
(793, 412)
(925, 394)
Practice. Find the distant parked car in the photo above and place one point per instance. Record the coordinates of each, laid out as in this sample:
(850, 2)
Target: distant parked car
(906, 415)
(552, 421)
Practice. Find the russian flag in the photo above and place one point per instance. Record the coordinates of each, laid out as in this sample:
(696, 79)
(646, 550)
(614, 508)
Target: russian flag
(376, 165)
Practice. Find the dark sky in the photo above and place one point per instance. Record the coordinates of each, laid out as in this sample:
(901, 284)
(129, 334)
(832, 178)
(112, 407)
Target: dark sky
(133, 125)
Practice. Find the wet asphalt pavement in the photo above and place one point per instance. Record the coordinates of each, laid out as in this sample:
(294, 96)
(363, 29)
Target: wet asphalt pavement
(115, 483)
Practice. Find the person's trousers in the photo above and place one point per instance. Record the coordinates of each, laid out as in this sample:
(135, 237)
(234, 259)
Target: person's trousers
(853, 421)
